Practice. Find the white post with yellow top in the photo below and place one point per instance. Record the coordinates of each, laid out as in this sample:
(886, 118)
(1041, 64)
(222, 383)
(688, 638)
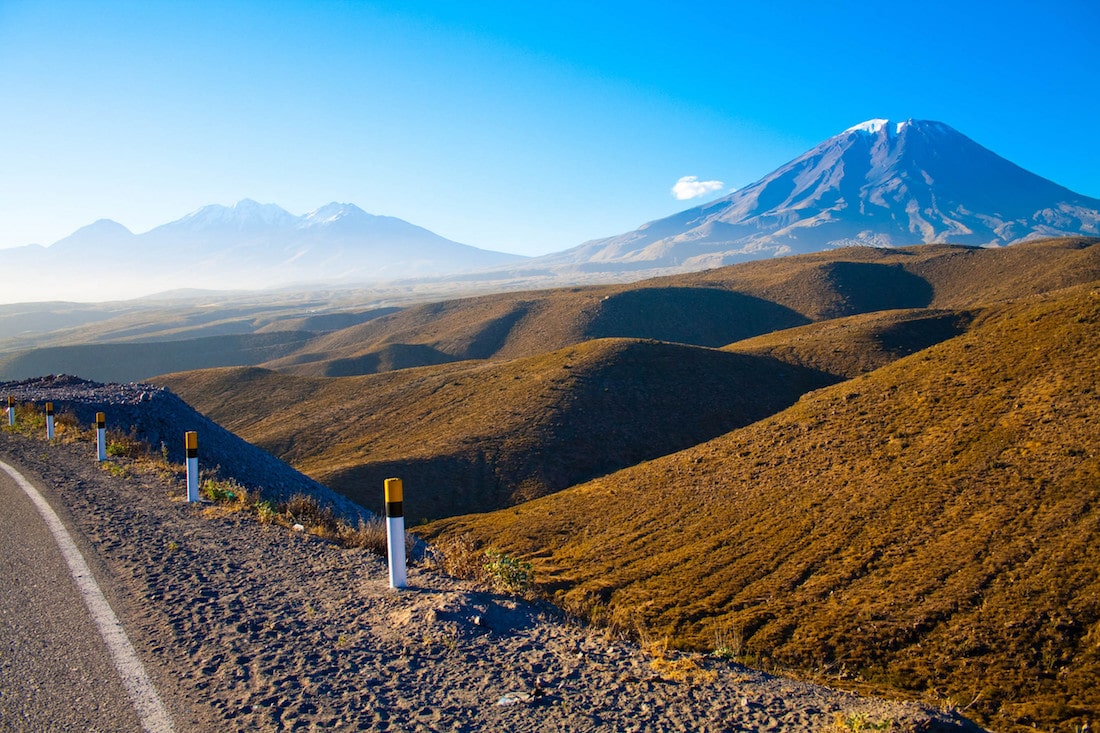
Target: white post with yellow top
(101, 436)
(395, 532)
(191, 443)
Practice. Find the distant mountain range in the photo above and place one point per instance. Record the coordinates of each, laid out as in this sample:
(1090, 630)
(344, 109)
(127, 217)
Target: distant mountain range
(878, 183)
(249, 245)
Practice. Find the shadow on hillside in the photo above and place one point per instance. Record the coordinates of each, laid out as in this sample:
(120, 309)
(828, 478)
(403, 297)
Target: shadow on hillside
(848, 288)
(637, 401)
(698, 316)
(387, 359)
(436, 487)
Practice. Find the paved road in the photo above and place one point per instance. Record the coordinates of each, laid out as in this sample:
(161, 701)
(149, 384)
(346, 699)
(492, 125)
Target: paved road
(56, 673)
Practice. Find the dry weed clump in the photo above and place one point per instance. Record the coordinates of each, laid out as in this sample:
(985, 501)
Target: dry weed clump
(460, 557)
(676, 666)
(303, 513)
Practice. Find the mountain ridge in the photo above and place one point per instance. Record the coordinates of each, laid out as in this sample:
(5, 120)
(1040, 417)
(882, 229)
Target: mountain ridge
(245, 246)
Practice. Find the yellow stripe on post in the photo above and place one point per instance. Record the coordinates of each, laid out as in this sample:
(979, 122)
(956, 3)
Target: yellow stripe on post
(49, 408)
(101, 436)
(191, 443)
(395, 505)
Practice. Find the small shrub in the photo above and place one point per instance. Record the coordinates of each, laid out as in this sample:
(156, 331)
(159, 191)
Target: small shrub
(458, 557)
(507, 573)
(729, 643)
(224, 491)
(116, 469)
(265, 511)
(126, 445)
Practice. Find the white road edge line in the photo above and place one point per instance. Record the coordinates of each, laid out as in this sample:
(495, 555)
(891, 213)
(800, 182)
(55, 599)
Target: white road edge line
(150, 708)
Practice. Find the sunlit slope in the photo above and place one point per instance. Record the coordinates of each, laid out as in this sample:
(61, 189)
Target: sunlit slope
(477, 436)
(933, 526)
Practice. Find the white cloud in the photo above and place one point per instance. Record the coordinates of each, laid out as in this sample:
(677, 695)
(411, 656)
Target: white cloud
(690, 187)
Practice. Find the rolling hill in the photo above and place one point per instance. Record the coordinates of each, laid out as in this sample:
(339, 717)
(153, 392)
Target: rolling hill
(929, 527)
(474, 436)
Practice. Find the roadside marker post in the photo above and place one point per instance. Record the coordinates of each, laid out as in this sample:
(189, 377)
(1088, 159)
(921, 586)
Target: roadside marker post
(101, 436)
(49, 421)
(11, 410)
(395, 532)
(191, 443)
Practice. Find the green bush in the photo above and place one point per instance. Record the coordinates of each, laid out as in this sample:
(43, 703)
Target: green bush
(507, 573)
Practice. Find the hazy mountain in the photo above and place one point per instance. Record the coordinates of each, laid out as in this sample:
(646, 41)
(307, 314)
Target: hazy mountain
(249, 245)
(879, 183)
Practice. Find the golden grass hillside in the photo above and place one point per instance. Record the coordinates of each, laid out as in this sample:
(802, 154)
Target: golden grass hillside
(475, 436)
(931, 528)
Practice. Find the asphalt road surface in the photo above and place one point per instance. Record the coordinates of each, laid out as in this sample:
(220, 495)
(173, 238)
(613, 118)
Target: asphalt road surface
(56, 671)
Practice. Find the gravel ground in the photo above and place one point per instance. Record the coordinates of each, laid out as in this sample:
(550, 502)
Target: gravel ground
(247, 626)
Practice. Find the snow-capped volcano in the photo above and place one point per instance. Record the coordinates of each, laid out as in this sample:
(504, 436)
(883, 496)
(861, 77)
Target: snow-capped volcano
(879, 183)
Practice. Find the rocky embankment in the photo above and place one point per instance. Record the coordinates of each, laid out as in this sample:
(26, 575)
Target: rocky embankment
(249, 626)
(160, 418)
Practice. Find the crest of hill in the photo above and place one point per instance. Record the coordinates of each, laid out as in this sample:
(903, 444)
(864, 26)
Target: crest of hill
(849, 347)
(525, 324)
(712, 308)
(930, 528)
(471, 436)
(857, 280)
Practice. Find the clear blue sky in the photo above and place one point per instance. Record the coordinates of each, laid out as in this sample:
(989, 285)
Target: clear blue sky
(522, 127)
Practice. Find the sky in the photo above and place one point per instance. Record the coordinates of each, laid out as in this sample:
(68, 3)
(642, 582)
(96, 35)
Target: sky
(519, 127)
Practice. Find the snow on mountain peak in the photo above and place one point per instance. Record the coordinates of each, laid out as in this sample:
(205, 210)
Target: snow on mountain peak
(330, 213)
(893, 129)
(871, 126)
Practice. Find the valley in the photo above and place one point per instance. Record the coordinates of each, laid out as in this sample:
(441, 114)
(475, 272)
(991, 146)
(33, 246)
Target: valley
(887, 476)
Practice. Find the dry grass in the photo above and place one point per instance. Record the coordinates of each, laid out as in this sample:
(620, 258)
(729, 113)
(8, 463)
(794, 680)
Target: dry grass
(476, 436)
(929, 528)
